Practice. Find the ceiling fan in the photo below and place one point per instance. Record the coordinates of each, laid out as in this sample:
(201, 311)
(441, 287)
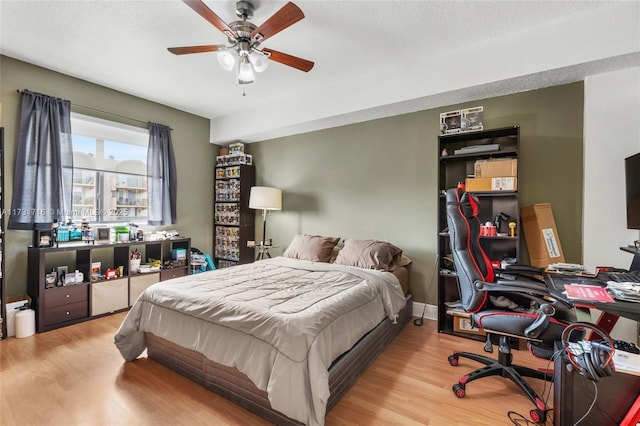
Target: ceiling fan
(245, 39)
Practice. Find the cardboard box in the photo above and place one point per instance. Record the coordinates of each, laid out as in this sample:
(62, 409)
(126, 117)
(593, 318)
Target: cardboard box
(484, 184)
(463, 325)
(496, 168)
(541, 235)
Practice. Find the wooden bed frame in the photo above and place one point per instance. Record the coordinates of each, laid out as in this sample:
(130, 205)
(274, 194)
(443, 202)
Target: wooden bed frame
(237, 387)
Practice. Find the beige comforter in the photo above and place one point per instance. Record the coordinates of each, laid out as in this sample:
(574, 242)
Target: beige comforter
(279, 321)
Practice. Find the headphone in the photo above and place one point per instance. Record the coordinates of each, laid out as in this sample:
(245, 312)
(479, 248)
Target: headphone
(592, 359)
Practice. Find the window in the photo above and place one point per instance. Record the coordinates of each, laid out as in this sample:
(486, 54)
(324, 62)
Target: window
(109, 171)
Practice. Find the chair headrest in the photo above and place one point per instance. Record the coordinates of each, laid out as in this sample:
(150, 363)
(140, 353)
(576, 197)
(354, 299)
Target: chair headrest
(469, 204)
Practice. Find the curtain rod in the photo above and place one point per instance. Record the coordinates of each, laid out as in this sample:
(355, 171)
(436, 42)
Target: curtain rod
(104, 112)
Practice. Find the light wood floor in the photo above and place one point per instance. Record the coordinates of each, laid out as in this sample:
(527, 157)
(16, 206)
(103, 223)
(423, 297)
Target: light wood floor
(75, 376)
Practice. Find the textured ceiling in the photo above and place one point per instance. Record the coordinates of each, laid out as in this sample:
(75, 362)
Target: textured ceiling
(372, 58)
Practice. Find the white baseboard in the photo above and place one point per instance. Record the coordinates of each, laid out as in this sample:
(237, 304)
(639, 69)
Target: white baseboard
(430, 311)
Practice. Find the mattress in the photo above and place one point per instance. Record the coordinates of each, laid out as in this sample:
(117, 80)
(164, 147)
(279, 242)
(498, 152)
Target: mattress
(237, 387)
(281, 322)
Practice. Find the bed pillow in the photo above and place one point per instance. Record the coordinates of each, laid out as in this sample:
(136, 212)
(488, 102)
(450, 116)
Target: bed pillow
(399, 261)
(311, 247)
(368, 254)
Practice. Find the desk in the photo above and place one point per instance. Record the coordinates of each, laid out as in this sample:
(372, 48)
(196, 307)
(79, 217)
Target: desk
(573, 392)
(610, 311)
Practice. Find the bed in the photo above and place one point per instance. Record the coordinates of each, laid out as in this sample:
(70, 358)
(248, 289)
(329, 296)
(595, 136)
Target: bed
(283, 337)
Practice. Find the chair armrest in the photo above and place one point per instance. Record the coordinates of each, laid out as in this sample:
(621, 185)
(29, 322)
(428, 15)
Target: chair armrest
(541, 323)
(532, 290)
(518, 272)
(524, 268)
(514, 286)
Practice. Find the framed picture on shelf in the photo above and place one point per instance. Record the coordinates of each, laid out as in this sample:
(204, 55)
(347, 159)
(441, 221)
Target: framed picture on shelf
(51, 279)
(95, 271)
(103, 235)
(42, 238)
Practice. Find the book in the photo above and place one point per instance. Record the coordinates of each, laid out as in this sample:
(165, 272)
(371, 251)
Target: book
(573, 269)
(588, 292)
(627, 362)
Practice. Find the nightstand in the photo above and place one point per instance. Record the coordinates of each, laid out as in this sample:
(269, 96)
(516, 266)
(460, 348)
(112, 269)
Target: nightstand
(263, 250)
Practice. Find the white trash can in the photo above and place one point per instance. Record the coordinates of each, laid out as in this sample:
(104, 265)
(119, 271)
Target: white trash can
(12, 309)
(25, 323)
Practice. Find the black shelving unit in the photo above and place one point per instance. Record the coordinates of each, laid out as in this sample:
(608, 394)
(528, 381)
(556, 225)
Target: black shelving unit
(234, 221)
(63, 305)
(3, 294)
(456, 168)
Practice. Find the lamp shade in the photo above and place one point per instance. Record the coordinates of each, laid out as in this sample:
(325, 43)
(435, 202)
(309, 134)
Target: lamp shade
(226, 59)
(259, 61)
(245, 71)
(266, 198)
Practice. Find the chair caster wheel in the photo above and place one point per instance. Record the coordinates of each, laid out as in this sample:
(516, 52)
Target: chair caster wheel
(458, 390)
(453, 360)
(538, 416)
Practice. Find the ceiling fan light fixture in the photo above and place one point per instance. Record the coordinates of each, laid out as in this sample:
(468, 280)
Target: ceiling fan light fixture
(244, 38)
(259, 61)
(245, 71)
(226, 60)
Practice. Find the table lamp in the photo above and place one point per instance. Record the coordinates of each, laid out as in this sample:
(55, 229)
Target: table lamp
(265, 198)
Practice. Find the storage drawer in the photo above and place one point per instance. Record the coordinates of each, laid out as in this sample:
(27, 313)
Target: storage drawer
(109, 296)
(167, 274)
(139, 283)
(60, 296)
(65, 313)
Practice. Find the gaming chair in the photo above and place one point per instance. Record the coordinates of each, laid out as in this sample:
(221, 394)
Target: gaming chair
(532, 314)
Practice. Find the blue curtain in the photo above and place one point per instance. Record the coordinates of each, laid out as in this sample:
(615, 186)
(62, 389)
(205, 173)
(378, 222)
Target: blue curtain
(43, 176)
(161, 169)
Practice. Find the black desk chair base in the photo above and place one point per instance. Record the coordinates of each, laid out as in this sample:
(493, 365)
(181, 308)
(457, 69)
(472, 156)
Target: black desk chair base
(503, 367)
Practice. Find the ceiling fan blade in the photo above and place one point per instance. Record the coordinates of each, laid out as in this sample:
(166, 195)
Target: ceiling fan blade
(208, 14)
(284, 18)
(290, 60)
(196, 49)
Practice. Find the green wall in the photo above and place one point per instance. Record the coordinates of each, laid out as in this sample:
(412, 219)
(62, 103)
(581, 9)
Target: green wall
(194, 154)
(378, 179)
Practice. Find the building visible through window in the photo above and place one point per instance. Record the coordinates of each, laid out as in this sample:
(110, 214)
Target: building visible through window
(109, 171)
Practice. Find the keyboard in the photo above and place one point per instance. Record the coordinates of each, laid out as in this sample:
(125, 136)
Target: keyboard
(621, 345)
(624, 277)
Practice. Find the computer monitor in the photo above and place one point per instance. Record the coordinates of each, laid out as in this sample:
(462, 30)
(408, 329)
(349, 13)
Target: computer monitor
(632, 187)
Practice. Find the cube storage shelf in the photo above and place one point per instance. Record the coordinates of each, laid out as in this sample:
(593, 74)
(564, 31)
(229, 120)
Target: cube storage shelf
(69, 304)
(453, 169)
